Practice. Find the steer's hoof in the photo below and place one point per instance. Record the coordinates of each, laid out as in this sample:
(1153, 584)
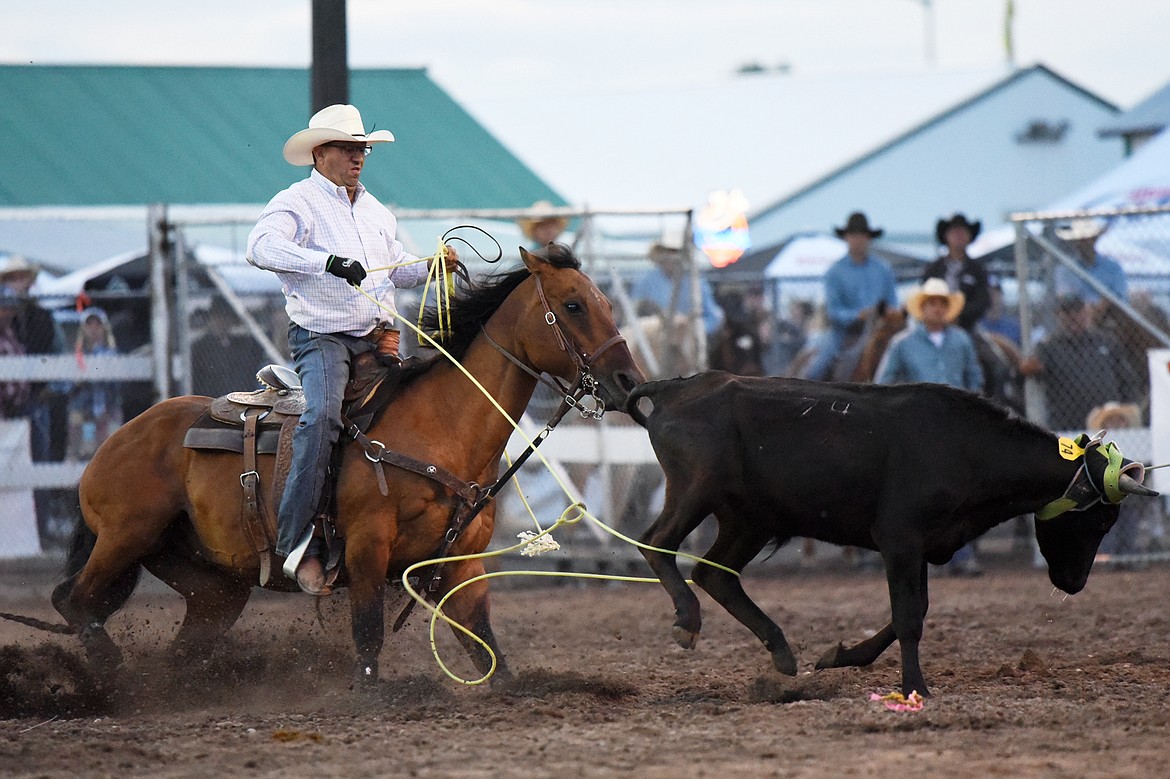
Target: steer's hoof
(685, 638)
(831, 659)
(785, 663)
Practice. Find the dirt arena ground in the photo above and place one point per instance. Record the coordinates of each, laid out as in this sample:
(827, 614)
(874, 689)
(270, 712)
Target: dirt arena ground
(1025, 683)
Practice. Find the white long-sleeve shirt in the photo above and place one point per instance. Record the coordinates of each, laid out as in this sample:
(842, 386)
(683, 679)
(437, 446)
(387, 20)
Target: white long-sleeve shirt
(304, 224)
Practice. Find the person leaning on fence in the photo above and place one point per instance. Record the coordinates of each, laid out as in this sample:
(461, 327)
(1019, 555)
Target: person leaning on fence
(854, 286)
(335, 249)
(38, 333)
(1082, 235)
(936, 350)
(1078, 366)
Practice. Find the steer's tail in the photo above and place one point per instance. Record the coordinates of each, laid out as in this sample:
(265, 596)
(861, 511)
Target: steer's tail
(649, 389)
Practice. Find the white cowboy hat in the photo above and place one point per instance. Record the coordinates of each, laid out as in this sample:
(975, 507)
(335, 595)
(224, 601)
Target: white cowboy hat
(332, 123)
(16, 263)
(935, 288)
(1080, 228)
(541, 213)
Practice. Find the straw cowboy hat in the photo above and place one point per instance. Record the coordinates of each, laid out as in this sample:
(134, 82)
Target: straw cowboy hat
(956, 220)
(528, 223)
(1114, 415)
(332, 123)
(16, 263)
(1080, 228)
(858, 223)
(935, 288)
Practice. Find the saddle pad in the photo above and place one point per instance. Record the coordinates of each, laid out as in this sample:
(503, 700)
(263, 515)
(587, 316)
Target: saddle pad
(230, 439)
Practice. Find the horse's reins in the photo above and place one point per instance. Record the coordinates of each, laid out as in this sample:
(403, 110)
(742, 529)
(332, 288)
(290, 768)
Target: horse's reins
(470, 508)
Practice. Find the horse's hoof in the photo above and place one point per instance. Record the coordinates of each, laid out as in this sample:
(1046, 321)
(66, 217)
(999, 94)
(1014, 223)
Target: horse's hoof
(501, 678)
(102, 654)
(685, 638)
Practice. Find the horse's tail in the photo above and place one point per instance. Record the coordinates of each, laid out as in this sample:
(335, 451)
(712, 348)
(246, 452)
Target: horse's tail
(81, 543)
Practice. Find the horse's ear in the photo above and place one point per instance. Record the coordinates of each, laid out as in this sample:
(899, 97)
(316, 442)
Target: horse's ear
(531, 261)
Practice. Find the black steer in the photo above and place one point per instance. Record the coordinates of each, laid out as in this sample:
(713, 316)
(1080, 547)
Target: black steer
(913, 471)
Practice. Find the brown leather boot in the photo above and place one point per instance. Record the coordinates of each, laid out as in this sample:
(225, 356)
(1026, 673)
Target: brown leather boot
(311, 577)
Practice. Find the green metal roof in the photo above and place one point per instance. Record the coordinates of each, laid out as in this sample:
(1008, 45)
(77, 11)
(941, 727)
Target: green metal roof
(124, 135)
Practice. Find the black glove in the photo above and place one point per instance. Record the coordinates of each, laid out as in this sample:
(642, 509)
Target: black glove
(345, 268)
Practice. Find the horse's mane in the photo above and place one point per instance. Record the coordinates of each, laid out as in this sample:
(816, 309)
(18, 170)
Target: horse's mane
(473, 305)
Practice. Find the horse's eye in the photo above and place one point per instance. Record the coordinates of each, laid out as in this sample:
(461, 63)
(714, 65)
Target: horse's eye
(573, 307)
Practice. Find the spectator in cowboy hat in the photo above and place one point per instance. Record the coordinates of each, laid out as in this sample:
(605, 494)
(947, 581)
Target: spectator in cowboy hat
(854, 286)
(954, 234)
(323, 237)
(541, 227)
(38, 333)
(935, 350)
(1083, 235)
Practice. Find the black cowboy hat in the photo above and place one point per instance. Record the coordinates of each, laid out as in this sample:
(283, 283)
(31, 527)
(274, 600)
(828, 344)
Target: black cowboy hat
(857, 223)
(958, 219)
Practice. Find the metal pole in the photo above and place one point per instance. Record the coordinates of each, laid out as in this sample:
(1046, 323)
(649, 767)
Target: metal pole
(160, 337)
(183, 314)
(1034, 404)
(697, 313)
(330, 70)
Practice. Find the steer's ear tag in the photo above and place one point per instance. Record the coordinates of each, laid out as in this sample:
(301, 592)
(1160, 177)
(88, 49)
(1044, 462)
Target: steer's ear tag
(1069, 449)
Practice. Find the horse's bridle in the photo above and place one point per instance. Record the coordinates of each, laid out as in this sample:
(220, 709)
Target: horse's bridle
(584, 383)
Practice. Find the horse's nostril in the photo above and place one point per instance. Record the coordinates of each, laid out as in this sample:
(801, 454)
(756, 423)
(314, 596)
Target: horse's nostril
(627, 382)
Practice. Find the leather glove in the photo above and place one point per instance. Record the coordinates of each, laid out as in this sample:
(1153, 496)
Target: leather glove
(345, 268)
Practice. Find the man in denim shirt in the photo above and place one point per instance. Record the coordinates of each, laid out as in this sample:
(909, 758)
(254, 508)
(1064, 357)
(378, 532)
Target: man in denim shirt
(934, 350)
(854, 286)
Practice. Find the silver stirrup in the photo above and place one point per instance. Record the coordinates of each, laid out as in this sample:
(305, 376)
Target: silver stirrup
(294, 557)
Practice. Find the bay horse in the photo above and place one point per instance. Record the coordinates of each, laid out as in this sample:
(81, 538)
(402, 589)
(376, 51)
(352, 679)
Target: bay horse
(148, 502)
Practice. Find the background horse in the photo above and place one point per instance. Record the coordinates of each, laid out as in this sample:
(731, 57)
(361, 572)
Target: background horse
(147, 502)
(861, 351)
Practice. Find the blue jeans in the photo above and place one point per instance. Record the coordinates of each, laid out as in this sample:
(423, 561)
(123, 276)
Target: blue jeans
(827, 349)
(322, 362)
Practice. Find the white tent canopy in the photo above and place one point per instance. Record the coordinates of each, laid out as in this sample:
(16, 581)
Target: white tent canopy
(805, 257)
(1142, 180)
